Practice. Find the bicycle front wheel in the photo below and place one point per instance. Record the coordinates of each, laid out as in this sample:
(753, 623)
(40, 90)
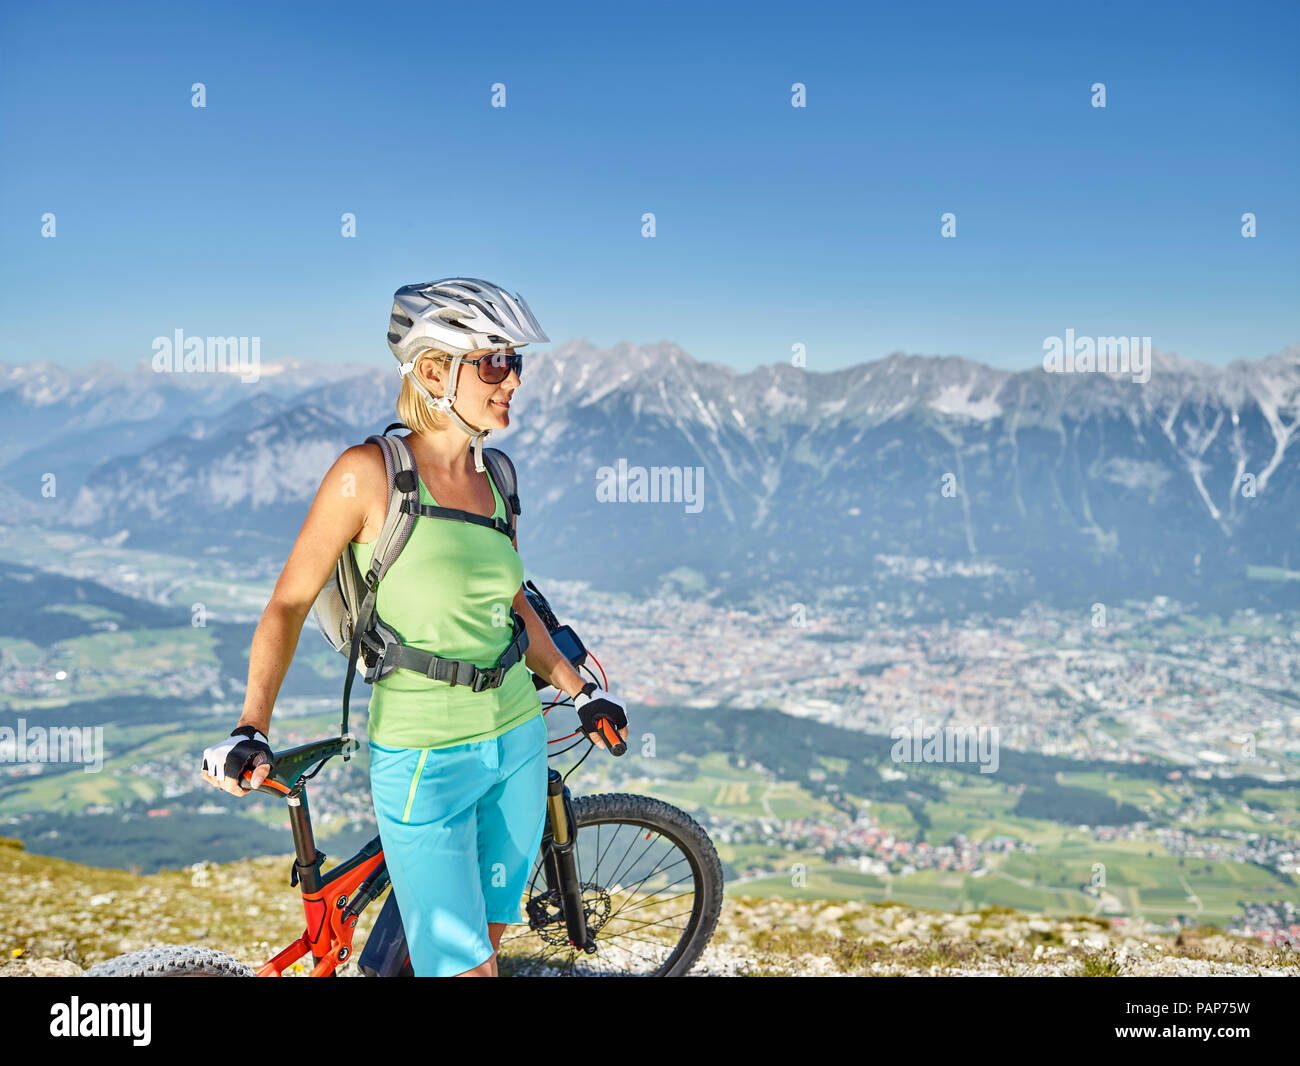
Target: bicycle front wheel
(651, 890)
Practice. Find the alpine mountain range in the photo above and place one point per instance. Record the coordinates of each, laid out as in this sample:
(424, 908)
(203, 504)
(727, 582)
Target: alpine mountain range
(1002, 486)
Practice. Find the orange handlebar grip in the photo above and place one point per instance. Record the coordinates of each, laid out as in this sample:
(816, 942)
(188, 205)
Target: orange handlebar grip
(246, 778)
(612, 739)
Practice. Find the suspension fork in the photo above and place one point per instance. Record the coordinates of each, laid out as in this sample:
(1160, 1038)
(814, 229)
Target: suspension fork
(560, 863)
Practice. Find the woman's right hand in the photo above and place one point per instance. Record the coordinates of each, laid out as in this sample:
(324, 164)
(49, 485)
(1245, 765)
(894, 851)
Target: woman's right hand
(245, 749)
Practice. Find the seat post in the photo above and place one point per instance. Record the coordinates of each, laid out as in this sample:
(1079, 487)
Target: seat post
(304, 842)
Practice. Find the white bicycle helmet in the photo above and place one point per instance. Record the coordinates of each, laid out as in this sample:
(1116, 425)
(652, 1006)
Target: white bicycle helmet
(458, 316)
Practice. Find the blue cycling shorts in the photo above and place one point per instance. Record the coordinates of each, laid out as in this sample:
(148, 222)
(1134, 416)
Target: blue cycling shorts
(460, 828)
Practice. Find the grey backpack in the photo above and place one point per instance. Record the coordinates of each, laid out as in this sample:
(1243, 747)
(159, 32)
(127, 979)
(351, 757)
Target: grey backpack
(345, 607)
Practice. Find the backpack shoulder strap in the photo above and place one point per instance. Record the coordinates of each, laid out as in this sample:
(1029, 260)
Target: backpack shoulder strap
(403, 483)
(402, 479)
(503, 473)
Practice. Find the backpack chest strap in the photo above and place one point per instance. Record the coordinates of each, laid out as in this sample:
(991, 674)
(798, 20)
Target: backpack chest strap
(425, 510)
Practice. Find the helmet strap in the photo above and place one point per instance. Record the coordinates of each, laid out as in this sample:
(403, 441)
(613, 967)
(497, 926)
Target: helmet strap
(477, 434)
(444, 404)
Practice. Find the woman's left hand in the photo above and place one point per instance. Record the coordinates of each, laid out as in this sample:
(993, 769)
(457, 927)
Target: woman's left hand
(591, 703)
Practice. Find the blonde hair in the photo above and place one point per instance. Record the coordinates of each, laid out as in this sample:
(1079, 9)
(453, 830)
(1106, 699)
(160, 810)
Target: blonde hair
(412, 407)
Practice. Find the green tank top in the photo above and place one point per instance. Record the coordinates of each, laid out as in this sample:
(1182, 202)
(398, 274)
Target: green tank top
(449, 593)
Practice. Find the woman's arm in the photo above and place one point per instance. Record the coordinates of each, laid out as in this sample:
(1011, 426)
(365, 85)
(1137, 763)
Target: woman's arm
(542, 656)
(337, 514)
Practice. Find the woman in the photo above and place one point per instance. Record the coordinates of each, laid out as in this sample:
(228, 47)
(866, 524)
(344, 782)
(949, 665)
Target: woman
(458, 777)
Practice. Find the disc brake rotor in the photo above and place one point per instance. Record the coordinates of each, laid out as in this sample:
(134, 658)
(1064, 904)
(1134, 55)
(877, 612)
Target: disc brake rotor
(546, 915)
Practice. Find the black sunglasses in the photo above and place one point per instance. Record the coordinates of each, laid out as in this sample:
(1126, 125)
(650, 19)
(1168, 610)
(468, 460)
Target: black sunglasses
(495, 367)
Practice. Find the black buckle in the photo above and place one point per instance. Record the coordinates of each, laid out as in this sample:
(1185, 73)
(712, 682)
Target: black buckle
(487, 679)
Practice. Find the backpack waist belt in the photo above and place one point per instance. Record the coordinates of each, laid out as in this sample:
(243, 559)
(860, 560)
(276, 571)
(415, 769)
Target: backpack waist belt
(459, 671)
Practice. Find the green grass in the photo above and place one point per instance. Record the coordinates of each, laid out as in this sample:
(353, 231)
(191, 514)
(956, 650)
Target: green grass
(1100, 964)
(22, 652)
(1049, 882)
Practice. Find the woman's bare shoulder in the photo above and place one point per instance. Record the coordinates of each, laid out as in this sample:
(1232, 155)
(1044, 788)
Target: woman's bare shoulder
(361, 473)
(361, 457)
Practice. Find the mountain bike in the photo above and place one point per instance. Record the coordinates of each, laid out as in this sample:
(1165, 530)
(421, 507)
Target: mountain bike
(622, 885)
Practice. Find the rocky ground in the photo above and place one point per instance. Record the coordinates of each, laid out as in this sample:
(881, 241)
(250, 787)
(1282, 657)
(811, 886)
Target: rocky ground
(63, 918)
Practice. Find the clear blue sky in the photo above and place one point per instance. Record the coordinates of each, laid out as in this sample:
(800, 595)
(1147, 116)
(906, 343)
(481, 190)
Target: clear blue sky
(776, 225)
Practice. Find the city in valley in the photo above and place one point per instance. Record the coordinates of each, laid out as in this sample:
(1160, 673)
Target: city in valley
(1146, 755)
